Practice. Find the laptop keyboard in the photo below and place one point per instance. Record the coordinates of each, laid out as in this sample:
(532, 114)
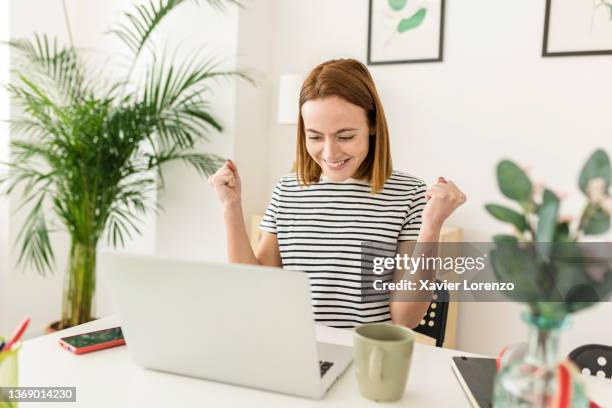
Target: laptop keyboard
(325, 365)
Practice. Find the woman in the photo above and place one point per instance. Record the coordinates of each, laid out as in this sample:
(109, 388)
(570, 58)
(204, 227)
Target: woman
(347, 194)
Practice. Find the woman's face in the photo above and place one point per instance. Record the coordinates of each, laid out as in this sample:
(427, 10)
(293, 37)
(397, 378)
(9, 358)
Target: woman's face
(337, 135)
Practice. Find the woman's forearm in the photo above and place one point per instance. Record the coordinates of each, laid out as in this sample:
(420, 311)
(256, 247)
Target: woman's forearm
(406, 312)
(429, 234)
(238, 246)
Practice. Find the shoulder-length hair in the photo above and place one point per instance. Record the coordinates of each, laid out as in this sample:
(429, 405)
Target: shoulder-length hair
(350, 80)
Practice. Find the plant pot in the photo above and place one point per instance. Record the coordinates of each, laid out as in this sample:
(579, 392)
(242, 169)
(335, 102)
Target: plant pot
(55, 326)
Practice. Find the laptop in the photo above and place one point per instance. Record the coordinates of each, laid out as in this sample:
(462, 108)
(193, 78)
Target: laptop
(240, 324)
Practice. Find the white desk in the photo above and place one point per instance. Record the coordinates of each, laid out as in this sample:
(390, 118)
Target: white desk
(109, 378)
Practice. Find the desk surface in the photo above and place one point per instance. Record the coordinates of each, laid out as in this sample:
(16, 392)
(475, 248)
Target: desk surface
(110, 378)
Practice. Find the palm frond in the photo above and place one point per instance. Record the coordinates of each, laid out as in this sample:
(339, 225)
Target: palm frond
(22, 151)
(28, 127)
(204, 163)
(142, 22)
(139, 25)
(116, 231)
(44, 56)
(41, 111)
(130, 201)
(174, 98)
(34, 183)
(33, 239)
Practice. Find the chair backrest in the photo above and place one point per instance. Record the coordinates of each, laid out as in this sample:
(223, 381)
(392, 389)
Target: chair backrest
(433, 323)
(593, 359)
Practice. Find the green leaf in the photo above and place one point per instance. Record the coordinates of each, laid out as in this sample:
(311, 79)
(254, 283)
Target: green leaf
(549, 311)
(581, 297)
(397, 5)
(176, 93)
(508, 215)
(598, 165)
(595, 220)
(513, 182)
(562, 232)
(142, 22)
(502, 239)
(609, 9)
(547, 217)
(514, 264)
(35, 245)
(44, 58)
(412, 22)
(582, 274)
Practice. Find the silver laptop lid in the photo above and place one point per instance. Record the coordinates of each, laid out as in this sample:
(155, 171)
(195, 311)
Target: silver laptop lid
(239, 324)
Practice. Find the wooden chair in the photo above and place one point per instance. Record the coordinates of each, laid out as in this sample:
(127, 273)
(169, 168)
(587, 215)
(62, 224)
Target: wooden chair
(433, 324)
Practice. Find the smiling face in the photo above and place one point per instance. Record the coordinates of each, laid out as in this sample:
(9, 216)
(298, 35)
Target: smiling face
(337, 135)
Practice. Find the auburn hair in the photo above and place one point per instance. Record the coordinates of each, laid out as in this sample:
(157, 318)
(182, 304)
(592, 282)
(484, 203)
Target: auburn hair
(350, 80)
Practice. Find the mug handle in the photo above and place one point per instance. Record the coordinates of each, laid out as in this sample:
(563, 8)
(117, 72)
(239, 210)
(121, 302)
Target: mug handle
(375, 364)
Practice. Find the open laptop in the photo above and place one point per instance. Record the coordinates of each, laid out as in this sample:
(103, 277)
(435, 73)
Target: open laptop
(240, 324)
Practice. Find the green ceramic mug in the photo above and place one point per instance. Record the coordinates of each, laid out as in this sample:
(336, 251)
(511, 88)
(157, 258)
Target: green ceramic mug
(382, 355)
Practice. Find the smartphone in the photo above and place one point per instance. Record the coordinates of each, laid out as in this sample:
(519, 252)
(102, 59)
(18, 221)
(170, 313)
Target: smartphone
(88, 342)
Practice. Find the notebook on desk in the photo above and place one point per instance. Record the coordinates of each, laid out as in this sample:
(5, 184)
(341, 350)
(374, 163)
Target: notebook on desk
(476, 376)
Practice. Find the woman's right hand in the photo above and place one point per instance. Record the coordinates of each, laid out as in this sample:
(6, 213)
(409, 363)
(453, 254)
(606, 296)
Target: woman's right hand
(226, 183)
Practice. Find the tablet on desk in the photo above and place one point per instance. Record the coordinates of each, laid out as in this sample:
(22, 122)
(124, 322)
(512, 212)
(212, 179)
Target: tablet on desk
(476, 376)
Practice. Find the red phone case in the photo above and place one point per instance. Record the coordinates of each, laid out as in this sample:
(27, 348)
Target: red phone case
(88, 349)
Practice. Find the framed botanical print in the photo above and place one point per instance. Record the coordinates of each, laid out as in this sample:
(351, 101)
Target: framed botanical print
(404, 31)
(577, 27)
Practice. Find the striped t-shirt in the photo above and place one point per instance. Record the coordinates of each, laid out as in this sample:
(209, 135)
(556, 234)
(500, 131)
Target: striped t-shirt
(321, 230)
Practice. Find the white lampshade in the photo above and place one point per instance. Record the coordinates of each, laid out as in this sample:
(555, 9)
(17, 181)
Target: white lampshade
(289, 98)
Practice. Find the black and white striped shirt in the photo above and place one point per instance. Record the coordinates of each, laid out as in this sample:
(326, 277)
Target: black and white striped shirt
(321, 230)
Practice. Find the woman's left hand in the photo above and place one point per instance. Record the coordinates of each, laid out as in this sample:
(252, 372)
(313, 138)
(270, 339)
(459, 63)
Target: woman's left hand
(443, 198)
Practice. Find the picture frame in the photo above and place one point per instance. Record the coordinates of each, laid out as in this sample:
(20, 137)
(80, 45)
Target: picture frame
(401, 33)
(577, 28)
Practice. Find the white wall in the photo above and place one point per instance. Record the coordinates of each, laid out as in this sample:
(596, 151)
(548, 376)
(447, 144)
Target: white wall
(492, 97)
(4, 140)
(190, 225)
(27, 293)
(254, 109)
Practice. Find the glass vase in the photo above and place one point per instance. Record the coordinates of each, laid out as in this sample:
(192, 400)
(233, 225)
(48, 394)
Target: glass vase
(533, 380)
(79, 285)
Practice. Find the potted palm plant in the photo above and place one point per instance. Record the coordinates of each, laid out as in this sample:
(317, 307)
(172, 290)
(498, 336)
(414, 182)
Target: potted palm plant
(87, 151)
